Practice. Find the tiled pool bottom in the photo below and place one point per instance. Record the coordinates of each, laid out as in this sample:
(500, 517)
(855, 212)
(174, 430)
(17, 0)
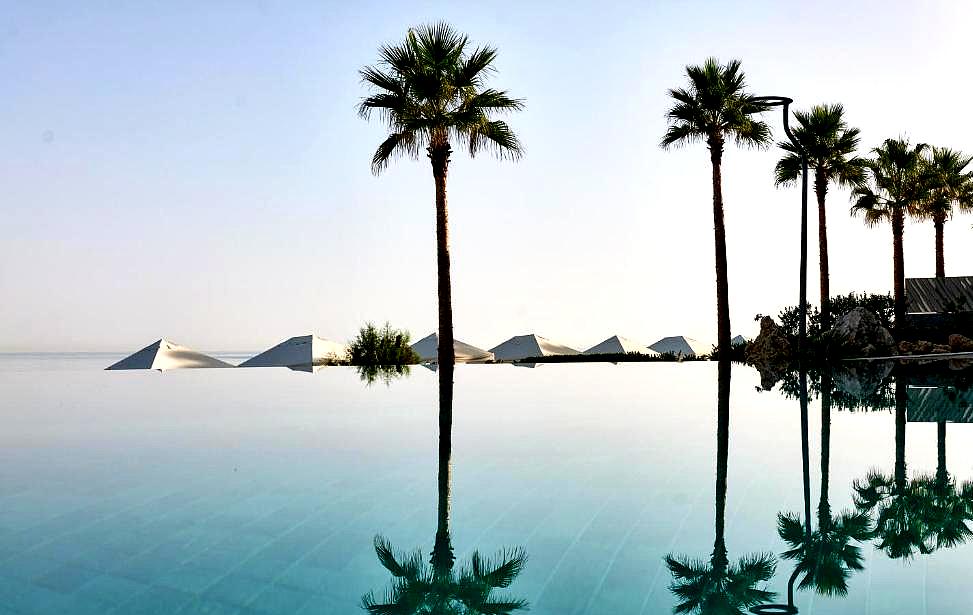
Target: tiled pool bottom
(260, 491)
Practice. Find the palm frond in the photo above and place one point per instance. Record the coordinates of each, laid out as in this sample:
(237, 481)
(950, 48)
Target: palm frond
(396, 144)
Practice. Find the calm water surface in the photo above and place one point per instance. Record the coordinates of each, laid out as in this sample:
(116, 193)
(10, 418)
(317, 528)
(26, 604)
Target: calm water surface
(262, 490)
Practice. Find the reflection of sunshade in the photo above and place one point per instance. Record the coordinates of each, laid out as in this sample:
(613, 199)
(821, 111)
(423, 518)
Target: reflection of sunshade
(526, 346)
(300, 350)
(163, 354)
(428, 350)
(933, 404)
(617, 344)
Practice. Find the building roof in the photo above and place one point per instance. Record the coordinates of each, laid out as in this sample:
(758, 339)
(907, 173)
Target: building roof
(530, 345)
(938, 295)
(428, 350)
(163, 355)
(617, 344)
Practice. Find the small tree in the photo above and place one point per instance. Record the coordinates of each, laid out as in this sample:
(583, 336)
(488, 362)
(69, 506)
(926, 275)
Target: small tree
(381, 346)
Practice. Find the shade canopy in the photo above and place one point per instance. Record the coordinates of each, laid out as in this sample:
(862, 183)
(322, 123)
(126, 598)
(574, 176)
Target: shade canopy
(617, 344)
(428, 350)
(163, 355)
(681, 345)
(300, 350)
(525, 346)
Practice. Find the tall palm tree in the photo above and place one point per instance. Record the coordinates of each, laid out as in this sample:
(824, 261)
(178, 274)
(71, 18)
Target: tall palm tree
(431, 91)
(830, 145)
(714, 108)
(438, 588)
(898, 504)
(719, 586)
(951, 184)
(896, 185)
(828, 557)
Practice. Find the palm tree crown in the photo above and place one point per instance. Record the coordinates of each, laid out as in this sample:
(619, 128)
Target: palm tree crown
(830, 146)
(430, 90)
(715, 106)
(898, 182)
(951, 183)
(419, 589)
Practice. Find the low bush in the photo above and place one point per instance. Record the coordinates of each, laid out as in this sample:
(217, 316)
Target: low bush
(381, 346)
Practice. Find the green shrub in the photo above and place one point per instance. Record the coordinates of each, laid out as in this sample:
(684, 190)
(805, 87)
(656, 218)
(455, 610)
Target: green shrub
(385, 346)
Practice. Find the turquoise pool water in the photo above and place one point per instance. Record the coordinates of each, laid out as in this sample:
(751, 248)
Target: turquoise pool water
(261, 490)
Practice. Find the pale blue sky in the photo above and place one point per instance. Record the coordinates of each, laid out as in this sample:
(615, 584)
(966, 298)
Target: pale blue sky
(196, 170)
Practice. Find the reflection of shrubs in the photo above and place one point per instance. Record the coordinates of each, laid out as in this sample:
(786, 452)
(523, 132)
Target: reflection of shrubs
(370, 374)
(381, 347)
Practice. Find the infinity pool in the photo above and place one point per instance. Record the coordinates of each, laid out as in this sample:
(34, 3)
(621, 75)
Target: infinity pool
(262, 490)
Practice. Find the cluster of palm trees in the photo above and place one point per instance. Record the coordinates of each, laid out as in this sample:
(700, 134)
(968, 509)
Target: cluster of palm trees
(899, 180)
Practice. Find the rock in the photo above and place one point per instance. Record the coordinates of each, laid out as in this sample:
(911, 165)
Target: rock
(861, 378)
(923, 347)
(941, 349)
(861, 334)
(906, 347)
(960, 343)
(771, 349)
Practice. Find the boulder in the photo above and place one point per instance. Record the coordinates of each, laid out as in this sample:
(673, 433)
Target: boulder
(860, 333)
(960, 343)
(906, 347)
(771, 350)
(860, 379)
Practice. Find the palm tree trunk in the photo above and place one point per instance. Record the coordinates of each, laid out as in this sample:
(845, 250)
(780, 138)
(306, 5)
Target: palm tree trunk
(440, 165)
(442, 554)
(939, 221)
(824, 508)
(901, 403)
(941, 474)
(719, 559)
(898, 266)
(821, 190)
(722, 275)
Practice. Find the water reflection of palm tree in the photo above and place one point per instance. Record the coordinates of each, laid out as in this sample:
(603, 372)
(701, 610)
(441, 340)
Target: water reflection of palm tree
(899, 505)
(719, 586)
(438, 588)
(827, 557)
(949, 507)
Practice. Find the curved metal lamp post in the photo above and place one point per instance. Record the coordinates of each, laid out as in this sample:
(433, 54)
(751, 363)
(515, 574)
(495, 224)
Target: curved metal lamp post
(783, 101)
(789, 608)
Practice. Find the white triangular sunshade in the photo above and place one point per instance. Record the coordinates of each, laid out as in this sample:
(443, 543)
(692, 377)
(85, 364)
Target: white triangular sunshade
(163, 355)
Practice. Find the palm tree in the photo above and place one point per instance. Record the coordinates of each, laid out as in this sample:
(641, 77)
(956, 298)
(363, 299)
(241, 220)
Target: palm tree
(719, 586)
(896, 186)
(899, 504)
(430, 90)
(713, 108)
(950, 184)
(827, 557)
(830, 145)
(437, 588)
